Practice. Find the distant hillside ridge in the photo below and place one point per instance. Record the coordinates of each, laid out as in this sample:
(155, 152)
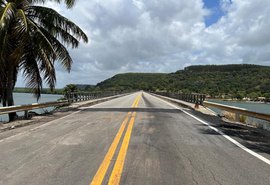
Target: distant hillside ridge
(234, 80)
(134, 81)
(223, 68)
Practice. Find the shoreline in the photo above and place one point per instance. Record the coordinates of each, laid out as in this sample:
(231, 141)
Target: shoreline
(240, 101)
(41, 93)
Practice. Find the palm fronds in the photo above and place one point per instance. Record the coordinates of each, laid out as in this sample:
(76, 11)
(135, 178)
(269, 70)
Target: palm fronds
(69, 3)
(32, 39)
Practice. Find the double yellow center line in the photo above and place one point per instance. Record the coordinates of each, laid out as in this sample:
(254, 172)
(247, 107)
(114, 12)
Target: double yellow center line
(119, 164)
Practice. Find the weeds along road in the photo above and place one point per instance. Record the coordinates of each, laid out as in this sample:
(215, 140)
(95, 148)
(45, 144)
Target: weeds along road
(136, 139)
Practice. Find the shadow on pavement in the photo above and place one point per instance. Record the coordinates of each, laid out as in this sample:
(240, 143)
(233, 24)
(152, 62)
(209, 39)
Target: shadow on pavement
(157, 110)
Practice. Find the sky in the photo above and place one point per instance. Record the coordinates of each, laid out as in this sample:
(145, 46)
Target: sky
(163, 36)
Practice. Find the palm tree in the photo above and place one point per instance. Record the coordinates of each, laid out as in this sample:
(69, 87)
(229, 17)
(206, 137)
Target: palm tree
(32, 39)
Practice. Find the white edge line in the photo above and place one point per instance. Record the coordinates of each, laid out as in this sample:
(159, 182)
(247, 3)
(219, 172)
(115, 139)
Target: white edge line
(267, 161)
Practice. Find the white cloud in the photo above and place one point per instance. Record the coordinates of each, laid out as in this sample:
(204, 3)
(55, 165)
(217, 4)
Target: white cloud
(225, 5)
(164, 36)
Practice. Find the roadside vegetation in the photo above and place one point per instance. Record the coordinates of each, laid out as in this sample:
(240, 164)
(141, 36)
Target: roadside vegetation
(32, 39)
(232, 117)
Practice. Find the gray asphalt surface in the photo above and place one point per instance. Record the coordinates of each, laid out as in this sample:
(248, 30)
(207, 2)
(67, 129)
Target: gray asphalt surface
(166, 147)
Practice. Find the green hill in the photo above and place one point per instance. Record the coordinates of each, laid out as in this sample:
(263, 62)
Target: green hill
(241, 80)
(232, 80)
(135, 81)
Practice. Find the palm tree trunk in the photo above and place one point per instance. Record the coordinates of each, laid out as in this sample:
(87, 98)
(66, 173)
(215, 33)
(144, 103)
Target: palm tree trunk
(12, 116)
(9, 92)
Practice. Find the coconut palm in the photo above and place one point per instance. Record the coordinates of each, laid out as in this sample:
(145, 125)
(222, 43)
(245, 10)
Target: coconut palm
(32, 39)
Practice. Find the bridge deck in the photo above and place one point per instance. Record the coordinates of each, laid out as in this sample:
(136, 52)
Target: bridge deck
(135, 139)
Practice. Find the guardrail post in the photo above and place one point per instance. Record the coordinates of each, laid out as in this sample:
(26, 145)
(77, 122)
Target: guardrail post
(26, 114)
(70, 97)
(66, 96)
(203, 98)
(237, 117)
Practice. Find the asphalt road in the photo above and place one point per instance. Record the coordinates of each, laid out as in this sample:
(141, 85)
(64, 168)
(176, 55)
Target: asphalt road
(137, 139)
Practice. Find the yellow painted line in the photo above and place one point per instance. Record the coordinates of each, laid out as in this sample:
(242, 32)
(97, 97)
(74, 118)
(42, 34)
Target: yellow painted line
(135, 103)
(138, 100)
(120, 161)
(99, 176)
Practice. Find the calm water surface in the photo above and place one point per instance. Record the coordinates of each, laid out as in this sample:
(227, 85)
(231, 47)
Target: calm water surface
(257, 107)
(25, 98)
(252, 106)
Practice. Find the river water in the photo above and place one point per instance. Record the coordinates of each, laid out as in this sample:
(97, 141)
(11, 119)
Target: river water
(26, 98)
(252, 106)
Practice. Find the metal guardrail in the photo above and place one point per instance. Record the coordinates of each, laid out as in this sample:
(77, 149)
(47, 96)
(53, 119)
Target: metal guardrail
(238, 111)
(69, 98)
(199, 99)
(83, 96)
(26, 108)
(192, 98)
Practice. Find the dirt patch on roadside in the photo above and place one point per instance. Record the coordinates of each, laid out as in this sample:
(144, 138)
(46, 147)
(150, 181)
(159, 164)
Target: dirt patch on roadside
(254, 138)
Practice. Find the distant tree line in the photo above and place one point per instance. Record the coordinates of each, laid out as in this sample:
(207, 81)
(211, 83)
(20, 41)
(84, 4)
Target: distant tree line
(216, 81)
(220, 81)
